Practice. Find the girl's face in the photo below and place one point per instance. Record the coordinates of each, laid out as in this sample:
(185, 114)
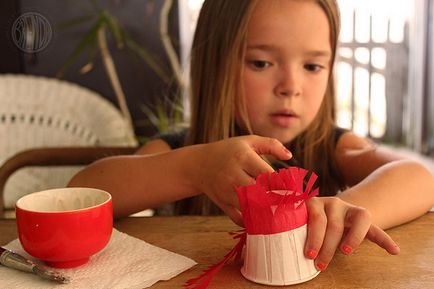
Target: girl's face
(287, 66)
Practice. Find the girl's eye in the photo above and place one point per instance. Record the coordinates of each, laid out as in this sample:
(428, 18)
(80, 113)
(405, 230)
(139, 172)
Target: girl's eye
(260, 64)
(313, 67)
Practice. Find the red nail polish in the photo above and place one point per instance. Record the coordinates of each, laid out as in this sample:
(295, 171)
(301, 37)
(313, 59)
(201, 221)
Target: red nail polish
(321, 266)
(312, 254)
(347, 249)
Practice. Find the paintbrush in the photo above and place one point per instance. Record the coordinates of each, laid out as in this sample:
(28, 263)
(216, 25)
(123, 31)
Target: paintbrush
(13, 260)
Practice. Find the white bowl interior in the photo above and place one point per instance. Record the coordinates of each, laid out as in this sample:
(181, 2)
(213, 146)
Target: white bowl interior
(63, 200)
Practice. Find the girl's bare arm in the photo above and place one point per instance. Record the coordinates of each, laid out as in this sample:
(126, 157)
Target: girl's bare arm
(394, 190)
(385, 190)
(158, 175)
(138, 182)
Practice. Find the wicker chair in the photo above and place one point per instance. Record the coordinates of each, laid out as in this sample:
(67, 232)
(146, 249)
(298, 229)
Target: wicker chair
(47, 122)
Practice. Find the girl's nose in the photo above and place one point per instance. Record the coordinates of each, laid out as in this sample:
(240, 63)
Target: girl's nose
(289, 83)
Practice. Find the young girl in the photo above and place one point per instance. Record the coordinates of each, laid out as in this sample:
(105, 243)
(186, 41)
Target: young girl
(262, 98)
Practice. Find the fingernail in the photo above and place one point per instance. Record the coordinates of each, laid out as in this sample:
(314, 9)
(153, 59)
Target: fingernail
(347, 249)
(312, 254)
(287, 151)
(321, 266)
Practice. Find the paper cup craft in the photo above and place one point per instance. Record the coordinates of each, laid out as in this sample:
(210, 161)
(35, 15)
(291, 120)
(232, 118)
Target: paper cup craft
(275, 218)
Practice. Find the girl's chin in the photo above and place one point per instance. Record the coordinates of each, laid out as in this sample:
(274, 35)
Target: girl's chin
(286, 140)
(282, 137)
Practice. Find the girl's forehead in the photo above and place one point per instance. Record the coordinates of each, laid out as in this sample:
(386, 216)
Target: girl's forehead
(289, 22)
(280, 8)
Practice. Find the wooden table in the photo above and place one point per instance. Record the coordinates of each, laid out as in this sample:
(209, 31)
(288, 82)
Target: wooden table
(205, 240)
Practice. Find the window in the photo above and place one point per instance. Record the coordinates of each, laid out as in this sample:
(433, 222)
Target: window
(372, 66)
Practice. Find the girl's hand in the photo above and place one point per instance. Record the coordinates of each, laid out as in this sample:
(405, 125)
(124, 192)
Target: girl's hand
(334, 223)
(233, 162)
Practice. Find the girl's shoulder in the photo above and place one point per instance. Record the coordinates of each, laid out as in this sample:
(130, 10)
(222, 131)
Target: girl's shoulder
(358, 156)
(355, 157)
(346, 139)
(338, 132)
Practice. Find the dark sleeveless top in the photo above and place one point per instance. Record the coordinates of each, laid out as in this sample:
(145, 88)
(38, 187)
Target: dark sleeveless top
(174, 139)
(177, 140)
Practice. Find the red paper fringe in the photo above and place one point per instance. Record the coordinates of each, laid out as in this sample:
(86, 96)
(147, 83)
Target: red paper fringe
(203, 280)
(266, 211)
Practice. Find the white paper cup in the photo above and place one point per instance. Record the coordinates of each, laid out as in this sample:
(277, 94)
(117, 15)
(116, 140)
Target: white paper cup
(278, 259)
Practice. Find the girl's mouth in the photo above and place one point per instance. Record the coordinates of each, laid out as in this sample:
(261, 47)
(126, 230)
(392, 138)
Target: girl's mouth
(283, 118)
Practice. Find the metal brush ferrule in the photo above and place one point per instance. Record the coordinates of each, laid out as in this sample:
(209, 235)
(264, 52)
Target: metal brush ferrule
(13, 260)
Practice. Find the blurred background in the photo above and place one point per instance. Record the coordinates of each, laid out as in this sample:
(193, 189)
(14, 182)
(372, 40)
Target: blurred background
(384, 69)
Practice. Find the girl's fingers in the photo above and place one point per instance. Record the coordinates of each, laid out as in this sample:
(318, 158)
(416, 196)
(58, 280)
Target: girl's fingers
(234, 214)
(231, 198)
(254, 166)
(237, 163)
(269, 146)
(333, 236)
(334, 223)
(240, 178)
(316, 228)
(382, 239)
(225, 196)
(358, 220)
(231, 212)
(250, 160)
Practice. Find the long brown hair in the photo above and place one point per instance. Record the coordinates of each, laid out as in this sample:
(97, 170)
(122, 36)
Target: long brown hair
(217, 60)
(318, 141)
(218, 46)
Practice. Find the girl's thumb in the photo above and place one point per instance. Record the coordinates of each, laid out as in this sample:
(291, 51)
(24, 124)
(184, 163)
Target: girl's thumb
(269, 146)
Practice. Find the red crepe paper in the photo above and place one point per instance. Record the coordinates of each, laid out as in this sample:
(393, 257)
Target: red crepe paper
(275, 204)
(203, 280)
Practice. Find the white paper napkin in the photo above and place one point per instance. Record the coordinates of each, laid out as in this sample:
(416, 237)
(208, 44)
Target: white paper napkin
(126, 262)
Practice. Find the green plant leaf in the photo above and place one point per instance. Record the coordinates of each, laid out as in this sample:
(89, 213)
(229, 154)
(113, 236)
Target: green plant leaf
(115, 28)
(165, 115)
(141, 139)
(152, 117)
(163, 125)
(85, 42)
(91, 58)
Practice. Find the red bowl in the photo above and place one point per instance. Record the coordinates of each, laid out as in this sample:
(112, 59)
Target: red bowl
(64, 227)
